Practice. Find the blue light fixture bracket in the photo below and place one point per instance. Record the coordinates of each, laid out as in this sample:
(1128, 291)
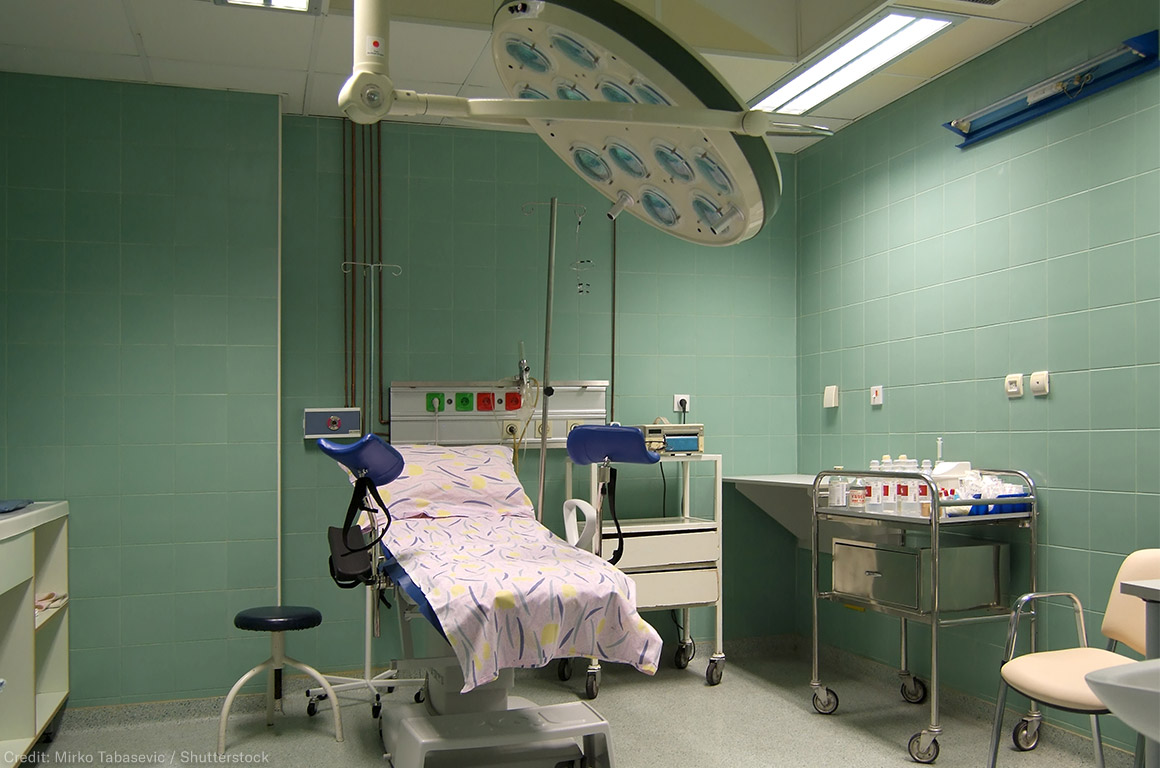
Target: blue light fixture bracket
(1136, 56)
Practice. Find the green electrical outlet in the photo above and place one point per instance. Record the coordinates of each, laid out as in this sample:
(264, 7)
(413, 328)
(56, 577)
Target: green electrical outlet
(464, 401)
(434, 402)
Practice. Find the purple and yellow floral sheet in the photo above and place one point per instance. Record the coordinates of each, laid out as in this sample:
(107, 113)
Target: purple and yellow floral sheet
(506, 590)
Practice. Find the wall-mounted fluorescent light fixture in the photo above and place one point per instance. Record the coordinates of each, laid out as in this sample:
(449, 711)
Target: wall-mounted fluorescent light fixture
(868, 49)
(1134, 57)
(310, 7)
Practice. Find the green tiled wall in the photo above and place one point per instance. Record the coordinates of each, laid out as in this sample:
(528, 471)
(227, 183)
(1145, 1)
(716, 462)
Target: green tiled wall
(936, 271)
(137, 367)
(715, 323)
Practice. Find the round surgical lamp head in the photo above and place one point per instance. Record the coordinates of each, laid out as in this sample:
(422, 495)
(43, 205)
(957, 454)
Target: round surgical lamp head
(711, 187)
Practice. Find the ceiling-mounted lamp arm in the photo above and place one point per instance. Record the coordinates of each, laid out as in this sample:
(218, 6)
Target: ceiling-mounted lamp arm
(368, 94)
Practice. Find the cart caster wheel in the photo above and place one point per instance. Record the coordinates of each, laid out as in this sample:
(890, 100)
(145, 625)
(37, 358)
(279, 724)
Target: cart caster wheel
(714, 671)
(564, 669)
(1023, 738)
(592, 686)
(927, 757)
(914, 691)
(828, 705)
(311, 708)
(419, 696)
(683, 656)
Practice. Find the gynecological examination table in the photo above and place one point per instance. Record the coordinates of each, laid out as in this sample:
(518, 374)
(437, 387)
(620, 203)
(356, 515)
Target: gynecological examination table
(460, 546)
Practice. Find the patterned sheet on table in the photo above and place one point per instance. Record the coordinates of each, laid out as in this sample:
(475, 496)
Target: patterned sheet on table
(506, 590)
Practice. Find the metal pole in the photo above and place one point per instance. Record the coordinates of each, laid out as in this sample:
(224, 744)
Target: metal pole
(612, 377)
(546, 384)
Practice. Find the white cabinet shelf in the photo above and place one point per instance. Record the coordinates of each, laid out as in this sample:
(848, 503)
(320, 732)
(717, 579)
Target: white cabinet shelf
(33, 647)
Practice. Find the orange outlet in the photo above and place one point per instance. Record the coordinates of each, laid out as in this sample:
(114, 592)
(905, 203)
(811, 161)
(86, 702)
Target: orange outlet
(484, 401)
(512, 401)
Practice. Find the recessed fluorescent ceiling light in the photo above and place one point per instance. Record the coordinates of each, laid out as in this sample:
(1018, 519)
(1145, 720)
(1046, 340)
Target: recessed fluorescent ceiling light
(873, 48)
(302, 6)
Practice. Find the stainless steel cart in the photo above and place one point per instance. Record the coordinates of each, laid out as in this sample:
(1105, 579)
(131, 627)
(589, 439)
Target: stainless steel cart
(894, 577)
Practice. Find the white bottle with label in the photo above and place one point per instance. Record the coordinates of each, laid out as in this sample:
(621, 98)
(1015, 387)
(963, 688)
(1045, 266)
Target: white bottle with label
(909, 504)
(889, 505)
(839, 487)
(924, 492)
(874, 489)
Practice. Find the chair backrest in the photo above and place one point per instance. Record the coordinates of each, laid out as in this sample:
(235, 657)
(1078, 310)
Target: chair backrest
(593, 443)
(1124, 618)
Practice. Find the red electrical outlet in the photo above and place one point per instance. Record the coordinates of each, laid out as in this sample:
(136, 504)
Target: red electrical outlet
(511, 401)
(484, 401)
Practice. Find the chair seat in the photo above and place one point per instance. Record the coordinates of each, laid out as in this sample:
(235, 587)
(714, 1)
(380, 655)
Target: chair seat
(278, 618)
(1057, 677)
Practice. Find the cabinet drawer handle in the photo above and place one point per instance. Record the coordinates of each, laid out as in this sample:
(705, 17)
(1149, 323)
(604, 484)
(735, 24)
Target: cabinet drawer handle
(874, 574)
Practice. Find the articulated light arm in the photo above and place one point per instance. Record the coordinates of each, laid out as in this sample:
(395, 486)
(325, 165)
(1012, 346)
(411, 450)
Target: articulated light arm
(369, 96)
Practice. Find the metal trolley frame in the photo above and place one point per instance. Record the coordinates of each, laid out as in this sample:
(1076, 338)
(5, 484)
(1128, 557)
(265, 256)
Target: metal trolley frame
(923, 746)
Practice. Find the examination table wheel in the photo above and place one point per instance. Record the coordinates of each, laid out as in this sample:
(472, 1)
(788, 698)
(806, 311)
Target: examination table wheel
(592, 685)
(714, 671)
(683, 656)
(918, 756)
(564, 669)
(1025, 741)
(419, 696)
(827, 705)
(914, 691)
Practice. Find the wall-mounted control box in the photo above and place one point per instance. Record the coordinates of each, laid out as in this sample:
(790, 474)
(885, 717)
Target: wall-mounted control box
(331, 422)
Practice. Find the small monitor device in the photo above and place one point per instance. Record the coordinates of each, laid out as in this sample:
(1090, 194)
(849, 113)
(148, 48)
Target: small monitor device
(669, 439)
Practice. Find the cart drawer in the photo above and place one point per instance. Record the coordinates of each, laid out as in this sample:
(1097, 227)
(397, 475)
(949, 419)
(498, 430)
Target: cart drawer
(663, 589)
(643, 551)
(15, 561)
(971, 575)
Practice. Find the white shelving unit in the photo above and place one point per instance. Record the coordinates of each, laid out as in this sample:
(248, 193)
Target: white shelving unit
(33, 647)
(674, 561)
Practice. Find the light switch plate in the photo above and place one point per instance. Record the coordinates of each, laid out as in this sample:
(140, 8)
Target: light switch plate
(1039, 383)
(876, 394)
(830, 397)
(1013, 385)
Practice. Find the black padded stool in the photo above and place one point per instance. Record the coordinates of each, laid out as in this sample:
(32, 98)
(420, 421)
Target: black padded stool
(276, 619)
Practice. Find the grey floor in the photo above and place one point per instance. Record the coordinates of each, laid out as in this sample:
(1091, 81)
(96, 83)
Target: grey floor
(760, 715)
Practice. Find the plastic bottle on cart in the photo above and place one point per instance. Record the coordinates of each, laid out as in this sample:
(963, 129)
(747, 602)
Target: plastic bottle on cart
(873, 489)
(910, 504)
(839, 488)
(886, 486)
(924, 492)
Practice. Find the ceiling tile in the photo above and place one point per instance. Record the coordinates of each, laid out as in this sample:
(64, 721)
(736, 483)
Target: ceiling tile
(322, 94)
(92, 25)
(484, 73)
(287, 83)
(438, 54)
(748, 76)
(872, 93)
(91, 66)
(958, 44)
(181, 30)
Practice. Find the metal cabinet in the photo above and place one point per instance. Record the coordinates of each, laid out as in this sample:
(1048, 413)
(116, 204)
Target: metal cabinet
(675, 562)
(918, 573)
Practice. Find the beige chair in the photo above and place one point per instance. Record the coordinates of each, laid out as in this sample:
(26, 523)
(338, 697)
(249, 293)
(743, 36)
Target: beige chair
(1056, 678)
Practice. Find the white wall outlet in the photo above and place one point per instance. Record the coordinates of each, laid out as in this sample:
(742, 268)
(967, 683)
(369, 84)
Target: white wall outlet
(511, 429)
(830, 397)
(542, 428)
(677, 403)
(1039, 383)
(1013, 385)
(876, 394)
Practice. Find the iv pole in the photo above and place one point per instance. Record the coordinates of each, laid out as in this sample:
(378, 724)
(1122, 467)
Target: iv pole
(528, 208)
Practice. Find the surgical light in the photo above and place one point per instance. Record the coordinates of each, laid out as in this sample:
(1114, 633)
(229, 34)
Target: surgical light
(636, 113)
(870, 50)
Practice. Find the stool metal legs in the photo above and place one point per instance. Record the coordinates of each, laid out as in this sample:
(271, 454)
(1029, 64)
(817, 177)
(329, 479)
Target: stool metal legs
(274, 664)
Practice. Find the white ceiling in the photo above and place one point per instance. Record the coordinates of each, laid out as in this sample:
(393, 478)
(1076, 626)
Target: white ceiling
(443, 46)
